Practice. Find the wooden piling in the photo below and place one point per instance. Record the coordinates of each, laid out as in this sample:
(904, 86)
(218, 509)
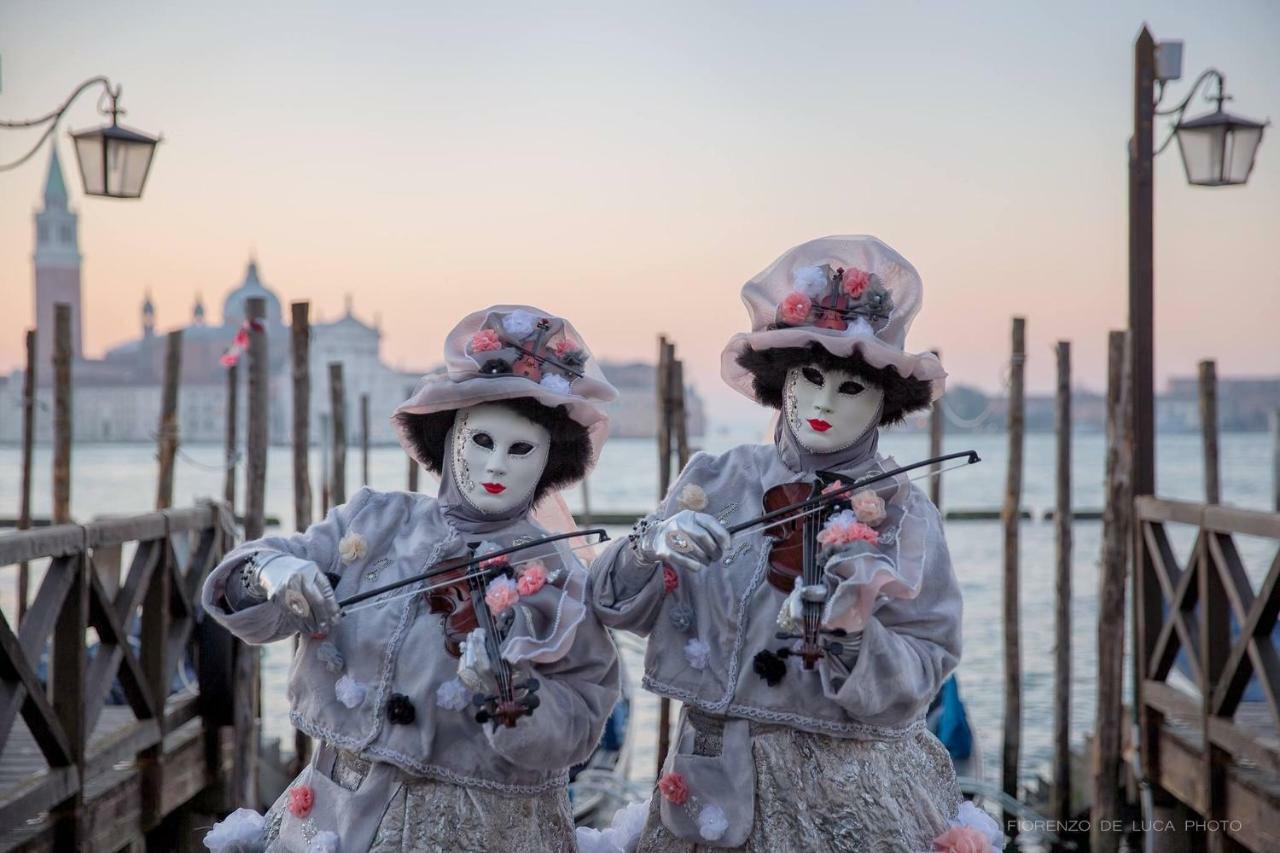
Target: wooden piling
(364, 439)
(663, 382)
(246, 667)
(1012, 745)
(300, 335)
(62, 424)
(326, 458)
(1061, 805)
(338, 416)
(1107, 785)
(28, 445)
(1275, 459)
(936, 426)
(1209, 431)
(167, 436)
(229, 437)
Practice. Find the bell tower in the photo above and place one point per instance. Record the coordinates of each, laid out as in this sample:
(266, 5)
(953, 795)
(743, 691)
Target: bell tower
(57, 267)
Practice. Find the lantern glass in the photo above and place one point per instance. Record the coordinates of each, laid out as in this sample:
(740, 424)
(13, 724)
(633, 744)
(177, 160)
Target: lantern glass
(1218, 149)
(114, 160)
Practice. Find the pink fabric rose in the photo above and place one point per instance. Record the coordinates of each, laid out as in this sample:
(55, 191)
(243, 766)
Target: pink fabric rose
(562, 347)
(869, 507)
(673, 788)
(301, 799)
(670, 580)
(856, 281)
(501, 595)
(527, 367)
(532, 579)
(794, 310)
(844, 528)
(961, 839)
(834, 487)
(485, 340)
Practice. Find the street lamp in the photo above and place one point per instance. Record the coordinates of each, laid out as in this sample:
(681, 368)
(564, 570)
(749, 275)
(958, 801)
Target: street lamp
(114, 160)
(1218, 148)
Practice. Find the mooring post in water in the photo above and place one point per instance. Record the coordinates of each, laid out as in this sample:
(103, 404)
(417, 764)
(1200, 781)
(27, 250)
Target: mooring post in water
(167, 430)
(300, 340)
(28, 445)
(662, 380)
(1062, 593)
(1108, 789)
(325, 459)
(1012, 745)
(62, 424)
(1209, 431)
(936, 425)
(338, 416)
(1275, 459)
(229, 437)
(364, 439)
(246, 667)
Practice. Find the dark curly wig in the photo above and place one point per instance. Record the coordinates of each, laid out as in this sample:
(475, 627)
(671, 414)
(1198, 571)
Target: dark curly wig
(567, 460)
(768, 368)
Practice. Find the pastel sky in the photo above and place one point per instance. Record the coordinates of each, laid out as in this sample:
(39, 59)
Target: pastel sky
(630, 165)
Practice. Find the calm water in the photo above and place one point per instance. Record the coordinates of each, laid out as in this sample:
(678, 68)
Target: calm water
(120, 479)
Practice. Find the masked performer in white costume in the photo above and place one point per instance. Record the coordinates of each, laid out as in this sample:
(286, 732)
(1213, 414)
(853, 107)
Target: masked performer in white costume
(446, 712)
(804, 687)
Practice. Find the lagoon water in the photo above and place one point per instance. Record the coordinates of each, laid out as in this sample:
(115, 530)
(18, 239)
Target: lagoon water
(120, 479)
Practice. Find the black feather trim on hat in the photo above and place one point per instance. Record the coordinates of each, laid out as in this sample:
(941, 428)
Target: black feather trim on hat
(770, 667)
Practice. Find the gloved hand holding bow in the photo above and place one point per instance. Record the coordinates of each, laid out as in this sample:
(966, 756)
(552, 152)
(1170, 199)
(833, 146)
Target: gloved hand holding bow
(294, 585)
(688, 540)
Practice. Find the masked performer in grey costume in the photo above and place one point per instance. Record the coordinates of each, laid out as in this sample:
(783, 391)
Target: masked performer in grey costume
(390, 688)
(803, 699)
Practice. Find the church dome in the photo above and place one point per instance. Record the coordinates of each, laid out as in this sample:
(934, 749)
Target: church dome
(234, 306)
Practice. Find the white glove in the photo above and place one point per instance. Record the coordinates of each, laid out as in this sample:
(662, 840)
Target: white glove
(297, 587)
(688, 540)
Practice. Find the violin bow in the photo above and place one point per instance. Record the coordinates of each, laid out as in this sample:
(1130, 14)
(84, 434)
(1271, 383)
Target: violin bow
(470, 564)
(786, 513)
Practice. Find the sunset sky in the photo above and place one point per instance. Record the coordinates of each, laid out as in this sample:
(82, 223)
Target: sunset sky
(630, 165)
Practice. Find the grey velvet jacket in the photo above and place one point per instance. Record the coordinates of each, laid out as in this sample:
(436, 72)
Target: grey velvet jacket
(398, 648)
(908, 645)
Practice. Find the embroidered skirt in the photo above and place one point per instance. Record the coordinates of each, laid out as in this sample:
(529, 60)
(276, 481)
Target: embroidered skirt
(820, 793)
(428, 815)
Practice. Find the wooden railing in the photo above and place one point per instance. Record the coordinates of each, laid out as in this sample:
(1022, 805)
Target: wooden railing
(1216, 753)
(80, 772)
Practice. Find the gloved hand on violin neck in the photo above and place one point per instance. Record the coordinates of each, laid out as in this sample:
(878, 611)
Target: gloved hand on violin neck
(297, 587)
(687, 540)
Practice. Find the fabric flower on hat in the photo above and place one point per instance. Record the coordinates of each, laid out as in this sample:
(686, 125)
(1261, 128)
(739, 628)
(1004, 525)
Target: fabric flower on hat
(555, 383)
(519, 323)
(532, 578)
(855, 282)
(674, 788)
(811, 281)
(485, 340)
(301, 799)
(501, 595)
(352, 547)
(843, 528)
(712, 822)
(868, 507)
(697, 653)
(794, 309)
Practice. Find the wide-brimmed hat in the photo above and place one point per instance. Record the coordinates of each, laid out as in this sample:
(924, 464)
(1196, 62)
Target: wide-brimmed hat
(507, 352)
(847, 294)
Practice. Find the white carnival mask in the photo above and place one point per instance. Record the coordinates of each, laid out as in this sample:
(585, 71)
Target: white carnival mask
(828, 410)
(498, 457)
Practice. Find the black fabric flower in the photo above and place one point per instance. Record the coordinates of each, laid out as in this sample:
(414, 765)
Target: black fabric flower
(400, 710)
(332, 578)
(770, 667)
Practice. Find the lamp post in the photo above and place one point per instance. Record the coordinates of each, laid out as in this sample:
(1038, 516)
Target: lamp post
(114, 160)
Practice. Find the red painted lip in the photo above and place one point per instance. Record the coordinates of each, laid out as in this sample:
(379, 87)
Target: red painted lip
(819, 425)
(494, 488)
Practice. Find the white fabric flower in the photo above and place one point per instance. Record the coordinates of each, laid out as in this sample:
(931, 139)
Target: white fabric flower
(239, 832)
(519, 323)
(712, 822)
(350, 692)
(811, 281)
(325, 841)
(622, 835)
(868, 507)
(453, 695)
(859, 328)
(697, 653)
(977, 818)
(555, 383)
(352, 547)
(693, 497)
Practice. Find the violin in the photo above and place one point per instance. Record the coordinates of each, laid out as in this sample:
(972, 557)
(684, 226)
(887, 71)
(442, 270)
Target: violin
(457, 592)
(793, 558)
